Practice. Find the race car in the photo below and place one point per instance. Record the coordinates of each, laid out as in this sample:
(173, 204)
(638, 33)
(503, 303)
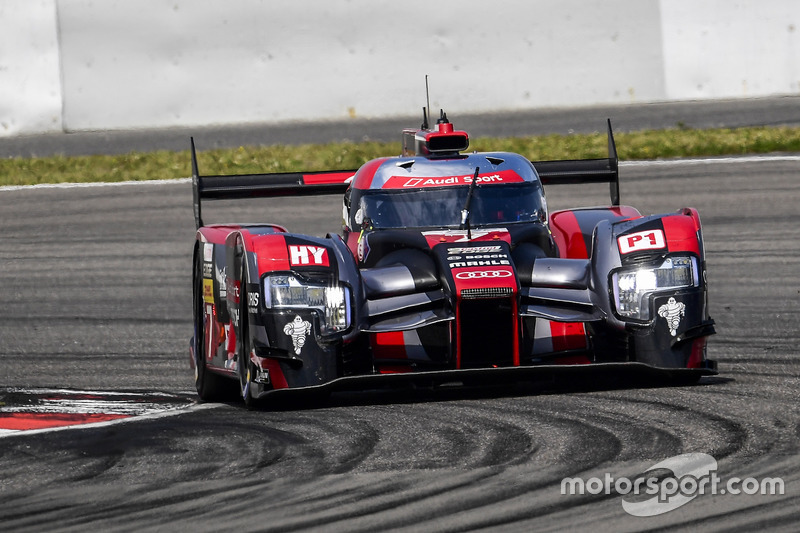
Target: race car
(449, 269)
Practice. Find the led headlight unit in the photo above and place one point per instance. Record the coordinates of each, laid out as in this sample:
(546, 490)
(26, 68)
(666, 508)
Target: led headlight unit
(330, 300)
(634, 286)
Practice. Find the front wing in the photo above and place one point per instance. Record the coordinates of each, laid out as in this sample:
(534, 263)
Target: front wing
(598, 375)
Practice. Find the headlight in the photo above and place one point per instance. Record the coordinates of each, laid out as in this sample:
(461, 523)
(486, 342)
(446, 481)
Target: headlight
(331, 300)
(633, 287)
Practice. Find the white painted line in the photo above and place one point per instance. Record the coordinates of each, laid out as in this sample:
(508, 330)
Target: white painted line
(647, 163)
(711, 160)
(9, 188)
(77, 392)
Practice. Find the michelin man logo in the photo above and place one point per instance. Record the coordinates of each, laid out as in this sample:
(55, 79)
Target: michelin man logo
(298, 329)
(672, 311)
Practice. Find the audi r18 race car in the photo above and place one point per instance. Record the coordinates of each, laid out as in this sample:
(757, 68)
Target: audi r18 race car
(449, 269)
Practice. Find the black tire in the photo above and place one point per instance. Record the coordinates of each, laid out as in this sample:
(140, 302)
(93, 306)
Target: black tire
(210, 387)
(243, 365)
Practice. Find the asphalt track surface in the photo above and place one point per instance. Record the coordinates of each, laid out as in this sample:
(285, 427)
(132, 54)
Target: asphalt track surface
(95, 286)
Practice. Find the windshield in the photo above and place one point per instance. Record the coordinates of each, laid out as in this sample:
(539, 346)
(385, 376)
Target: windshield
(491, 204)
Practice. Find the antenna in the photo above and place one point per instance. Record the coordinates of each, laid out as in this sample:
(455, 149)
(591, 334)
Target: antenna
(428, 101)
(465, 212)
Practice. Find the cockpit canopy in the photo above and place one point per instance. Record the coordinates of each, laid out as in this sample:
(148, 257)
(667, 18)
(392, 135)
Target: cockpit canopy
(441, 207)
(415, 192)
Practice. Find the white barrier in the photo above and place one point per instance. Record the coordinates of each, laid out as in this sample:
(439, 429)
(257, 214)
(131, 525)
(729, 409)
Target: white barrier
(120, 64)
(723, 49)
(30, 89)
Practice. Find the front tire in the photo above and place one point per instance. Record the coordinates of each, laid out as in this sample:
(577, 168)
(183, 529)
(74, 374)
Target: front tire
(244, 365)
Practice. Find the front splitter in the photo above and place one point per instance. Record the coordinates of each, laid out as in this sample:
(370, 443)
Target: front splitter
(624, 374)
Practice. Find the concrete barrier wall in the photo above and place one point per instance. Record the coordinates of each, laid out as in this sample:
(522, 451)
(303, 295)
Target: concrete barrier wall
(30, 85)
(724, 49)
(120, 64)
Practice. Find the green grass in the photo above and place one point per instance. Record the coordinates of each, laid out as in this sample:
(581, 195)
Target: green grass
(671, 143)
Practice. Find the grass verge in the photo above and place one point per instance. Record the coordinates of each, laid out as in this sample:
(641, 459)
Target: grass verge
(345, 155)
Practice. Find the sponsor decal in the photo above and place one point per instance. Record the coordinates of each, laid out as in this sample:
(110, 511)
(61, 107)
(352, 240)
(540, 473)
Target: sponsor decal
(404, 182)
(208, 251)
(228, 336)
(208, 270)
(363, 247)
(305, 255)
(672, 311)
(484, 234)
(222, 276)
(298, 329)
(252, 301)
(640, 241)
(233, 286)
(481, 261)
(471, 278)
(262, 376)
(477, 274)
(474, 250)
(477, 256)
(208, 291)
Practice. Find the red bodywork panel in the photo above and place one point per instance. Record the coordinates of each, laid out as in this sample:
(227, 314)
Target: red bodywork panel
(364, 176)
(567, 234)
(570, 230)
(570, 236)
(219, 233)
(681, 232)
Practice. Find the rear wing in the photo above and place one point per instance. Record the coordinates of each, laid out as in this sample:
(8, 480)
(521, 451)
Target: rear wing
(235, 186)
(221, 187)
(584, 170)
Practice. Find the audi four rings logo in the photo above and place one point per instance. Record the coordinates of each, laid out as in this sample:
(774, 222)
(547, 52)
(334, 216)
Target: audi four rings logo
(484, 274)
